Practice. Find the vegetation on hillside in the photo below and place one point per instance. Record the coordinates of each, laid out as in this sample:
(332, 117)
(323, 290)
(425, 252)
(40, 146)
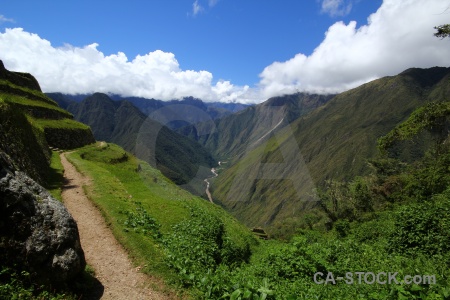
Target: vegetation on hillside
(168, 231)
(334, 142)
(393, 220)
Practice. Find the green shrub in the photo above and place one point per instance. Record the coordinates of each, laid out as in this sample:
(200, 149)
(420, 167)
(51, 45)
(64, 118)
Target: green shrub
(141, 221)
(423, 227)
(199, 243)
(342, 227)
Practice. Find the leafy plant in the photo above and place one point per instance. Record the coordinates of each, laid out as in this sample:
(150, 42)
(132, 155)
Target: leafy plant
(423, 227)
(140, 221)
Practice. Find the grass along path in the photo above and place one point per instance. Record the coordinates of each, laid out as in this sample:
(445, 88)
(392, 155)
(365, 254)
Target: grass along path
(110, 261)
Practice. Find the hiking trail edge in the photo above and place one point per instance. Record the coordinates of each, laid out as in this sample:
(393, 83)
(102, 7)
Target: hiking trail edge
(113, 267)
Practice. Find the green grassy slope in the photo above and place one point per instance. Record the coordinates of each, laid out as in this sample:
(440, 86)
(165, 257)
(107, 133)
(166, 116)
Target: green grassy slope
(335, 141)
(175, 235)
(151, 216)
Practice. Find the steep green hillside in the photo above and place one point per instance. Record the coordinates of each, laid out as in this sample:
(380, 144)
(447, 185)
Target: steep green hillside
(243, 131)
(196, 245)
(30, 122)
(180, 159)
(166, 229)
(333, 142)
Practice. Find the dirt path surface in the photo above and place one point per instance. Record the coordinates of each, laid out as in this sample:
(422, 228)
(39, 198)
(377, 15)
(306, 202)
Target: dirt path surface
(113, 268)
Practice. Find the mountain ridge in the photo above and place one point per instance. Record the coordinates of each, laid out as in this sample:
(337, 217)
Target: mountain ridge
(334, 140)
(200, 111)
(231, 136)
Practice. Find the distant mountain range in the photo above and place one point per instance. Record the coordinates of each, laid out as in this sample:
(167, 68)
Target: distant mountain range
(233, 135)
(180, 113)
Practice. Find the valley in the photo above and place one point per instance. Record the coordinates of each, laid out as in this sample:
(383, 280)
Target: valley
(183, 161)
(353, 181)
(208, 193)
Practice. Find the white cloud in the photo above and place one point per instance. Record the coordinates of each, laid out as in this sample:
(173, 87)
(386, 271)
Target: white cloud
(398, 36)
(229, 93)
(212, 3)
(4, 19)
(75, 70)
(336, 8)
(196, 8)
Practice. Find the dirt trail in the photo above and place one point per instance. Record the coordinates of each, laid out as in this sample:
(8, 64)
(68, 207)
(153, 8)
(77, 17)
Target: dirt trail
(110, 261)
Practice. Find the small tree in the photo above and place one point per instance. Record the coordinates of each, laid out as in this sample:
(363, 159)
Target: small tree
(360, 192)
(442, 31)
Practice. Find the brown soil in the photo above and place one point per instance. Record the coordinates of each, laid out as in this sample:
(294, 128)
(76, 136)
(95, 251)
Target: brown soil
(113, 268)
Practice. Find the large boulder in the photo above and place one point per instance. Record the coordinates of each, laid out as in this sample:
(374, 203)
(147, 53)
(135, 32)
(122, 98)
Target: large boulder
(37, 233)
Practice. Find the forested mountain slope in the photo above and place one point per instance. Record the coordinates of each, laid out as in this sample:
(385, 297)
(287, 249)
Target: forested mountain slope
(334, 141)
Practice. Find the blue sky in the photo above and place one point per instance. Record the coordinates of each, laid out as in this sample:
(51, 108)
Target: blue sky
(223, 50)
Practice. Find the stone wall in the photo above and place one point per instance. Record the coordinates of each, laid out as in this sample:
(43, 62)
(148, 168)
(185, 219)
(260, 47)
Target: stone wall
(68, 138)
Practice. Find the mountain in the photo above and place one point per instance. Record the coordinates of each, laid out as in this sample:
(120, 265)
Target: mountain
(158, 223)
(275, 182)
(174, 114)
(180, 159)
(232, 107)
(234, 135)
(186, 111)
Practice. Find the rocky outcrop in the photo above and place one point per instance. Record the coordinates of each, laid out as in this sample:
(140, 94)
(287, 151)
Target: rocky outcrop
(37, 233)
